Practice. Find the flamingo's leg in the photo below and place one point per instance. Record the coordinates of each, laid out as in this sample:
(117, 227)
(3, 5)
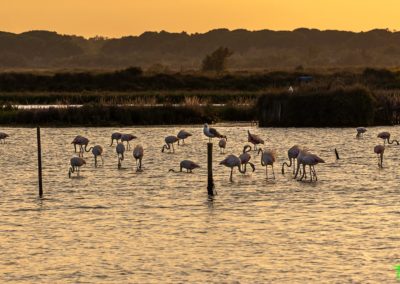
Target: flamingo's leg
(231, 179)
(273, 172)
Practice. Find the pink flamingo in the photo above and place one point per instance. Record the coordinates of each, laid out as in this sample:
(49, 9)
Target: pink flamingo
(169, 143)
(81, 141)
(293, 152)
(182, 135)
(138, 155)
(311, 160)
(222, 145)
(254, 139)
(97, 151)
(360, 132)
(268, 158)
(120, 149)
(379, 150)
(386, 137)
(126, 138)
(115, 136)
(231, 162)
(245, 158)
(76, 164)
(188, 165)
(3, 137)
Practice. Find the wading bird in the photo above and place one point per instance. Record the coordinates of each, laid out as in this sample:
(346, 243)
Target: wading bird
(386, 137)
(302, 153)
(268, 158)
(254, 139)
(115, 136)
(212, 133)
(292, 155)
(76, 164)
(360, 132)
(222, 145)
(3, 137)
(188, 165)
(231, 162)
(120, 149)
(182, 135)
(379, 150)
(97, 151)
(245, 158)
(169, 143)
(81, 141)
(311, 160)
(138, 155)
(126, 138)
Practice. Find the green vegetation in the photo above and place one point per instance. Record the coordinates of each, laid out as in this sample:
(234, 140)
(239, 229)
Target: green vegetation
(217, 60)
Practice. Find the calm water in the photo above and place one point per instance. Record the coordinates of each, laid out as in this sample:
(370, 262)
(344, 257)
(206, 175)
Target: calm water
(119, 226)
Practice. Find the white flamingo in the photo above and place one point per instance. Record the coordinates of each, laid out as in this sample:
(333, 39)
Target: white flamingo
(182, 135)
(268, 158)
(126, 138)
(231, 162)
(386, 137)
(120, 149)
(169, 143)
(97, 151)
(222, 145)
(245, 158)
(138, 153)
(76, 164)
(379, 150)
(360, 132)
(115, 136)
(3, 137)
(293, 152)
(81, 141)
(188, 165)
(254, 139)
(212, 132)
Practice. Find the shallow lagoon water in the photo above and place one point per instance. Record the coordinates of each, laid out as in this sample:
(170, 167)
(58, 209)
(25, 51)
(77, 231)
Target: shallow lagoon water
(119, 226)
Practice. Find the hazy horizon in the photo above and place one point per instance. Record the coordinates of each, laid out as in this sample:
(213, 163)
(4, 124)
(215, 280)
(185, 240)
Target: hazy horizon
(123, 18)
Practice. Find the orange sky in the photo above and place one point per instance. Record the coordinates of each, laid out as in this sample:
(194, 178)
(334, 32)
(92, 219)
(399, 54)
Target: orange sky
(117, 18)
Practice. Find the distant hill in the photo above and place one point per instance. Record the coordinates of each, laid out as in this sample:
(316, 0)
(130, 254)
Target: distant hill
(160, 51)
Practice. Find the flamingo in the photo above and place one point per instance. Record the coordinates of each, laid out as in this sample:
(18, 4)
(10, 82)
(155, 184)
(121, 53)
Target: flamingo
(245, 158)
(268, 158)
(386, 136)
(292, 155)
(120, 149)
(187, 165)
(115, 136)
(302, 153)
(360, 132)
(311, 160)
(254, 139)
(76, 164)
(212, 133)
(81, 141)
(127, 138)
(138, 155)
(169, 143)
(379, 150)
(97, 151)
(222, 145)
(182, 135)
(232, 161)
(3, 137)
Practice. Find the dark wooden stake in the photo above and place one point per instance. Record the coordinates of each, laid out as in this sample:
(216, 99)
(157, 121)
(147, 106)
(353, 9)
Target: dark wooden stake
(39, 162)
(337, 154)
(210, 181)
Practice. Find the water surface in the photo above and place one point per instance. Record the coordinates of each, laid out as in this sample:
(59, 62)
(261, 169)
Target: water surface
(119, 226)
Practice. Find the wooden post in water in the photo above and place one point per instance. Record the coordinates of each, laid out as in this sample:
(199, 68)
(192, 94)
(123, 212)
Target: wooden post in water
(210, 181)
(39, 162)
(337, 154)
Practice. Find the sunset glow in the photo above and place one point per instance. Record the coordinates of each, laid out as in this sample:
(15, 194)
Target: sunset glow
(132, 17)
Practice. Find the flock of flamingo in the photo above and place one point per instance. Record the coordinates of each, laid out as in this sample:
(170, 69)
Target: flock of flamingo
(299, 157)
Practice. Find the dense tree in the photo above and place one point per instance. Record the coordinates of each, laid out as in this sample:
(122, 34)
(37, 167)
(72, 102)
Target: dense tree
(216, 61)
